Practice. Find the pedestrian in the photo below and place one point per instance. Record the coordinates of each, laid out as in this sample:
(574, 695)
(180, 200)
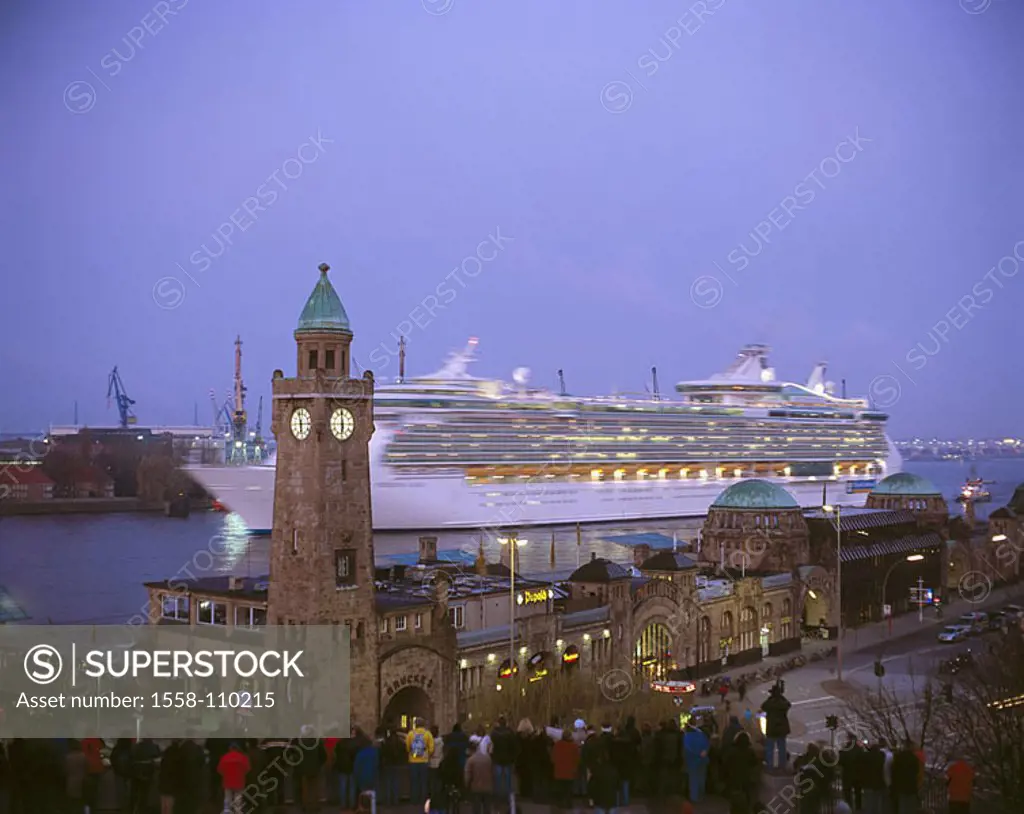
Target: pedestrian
(503, 757)
(960, 788)
(623, 752)
(365, 764)
(232, 768)
(419, 746)
(92, 748)
(565, 759)
(742, 773)
(906, 771)
(457, 741)
(5, 780)
(393, 758)
(697, 753)
(851, 771)
(873, 779)
(479, 777)
(145, 755)
(192, 790)
(76, 768)
(312, 758)
(526, 758)
(255, 778)
(343, 768)
(776, 710)
(741, 690)
(601, 787)
(436, 756)
(168, 779)
(668, 759)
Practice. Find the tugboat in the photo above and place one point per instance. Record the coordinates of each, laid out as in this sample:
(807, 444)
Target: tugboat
(973, 490)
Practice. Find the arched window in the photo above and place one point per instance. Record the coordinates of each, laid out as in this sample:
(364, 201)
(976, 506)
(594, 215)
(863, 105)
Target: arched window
(767, 621)
(786, 622)
(748, 628)
(727, 626)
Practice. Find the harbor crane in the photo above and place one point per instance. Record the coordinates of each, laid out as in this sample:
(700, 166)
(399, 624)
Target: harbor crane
(116, 391)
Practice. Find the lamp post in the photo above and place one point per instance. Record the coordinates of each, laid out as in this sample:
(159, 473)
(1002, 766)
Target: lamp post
(830, 510)
(885, 582)
(513, 542)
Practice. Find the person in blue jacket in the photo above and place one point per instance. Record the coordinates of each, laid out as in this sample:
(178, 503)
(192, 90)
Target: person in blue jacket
(696, 748)
(366, 766)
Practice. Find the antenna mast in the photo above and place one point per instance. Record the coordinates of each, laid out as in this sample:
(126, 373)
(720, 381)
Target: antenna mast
(401, 358)
(561, 383)
(654, 376)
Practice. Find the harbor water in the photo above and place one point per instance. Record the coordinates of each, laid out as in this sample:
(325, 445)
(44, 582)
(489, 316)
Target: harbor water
(91, 569)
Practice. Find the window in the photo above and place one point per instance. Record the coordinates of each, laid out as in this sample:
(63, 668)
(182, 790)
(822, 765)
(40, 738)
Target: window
(344, 567)
(384, 626)
(312, 360)
(329, 359)
(457, 616)
(212, 613)
(175, 607)
(249, 616)
(418, 621)
(344, 471)
(401, 623)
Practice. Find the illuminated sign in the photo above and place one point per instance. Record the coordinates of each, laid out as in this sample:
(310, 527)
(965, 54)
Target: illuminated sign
(508, 669)
(532, 597)
(536, 660)
(673, 687)
(571, 655)
(538, 675)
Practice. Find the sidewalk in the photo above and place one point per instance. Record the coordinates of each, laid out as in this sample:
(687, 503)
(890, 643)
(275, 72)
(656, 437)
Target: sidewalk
(710, 805)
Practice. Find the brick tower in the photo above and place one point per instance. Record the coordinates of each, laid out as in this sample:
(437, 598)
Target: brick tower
(321, 555)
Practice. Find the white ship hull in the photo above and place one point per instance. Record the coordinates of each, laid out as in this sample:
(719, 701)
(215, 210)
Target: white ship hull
(448, 500)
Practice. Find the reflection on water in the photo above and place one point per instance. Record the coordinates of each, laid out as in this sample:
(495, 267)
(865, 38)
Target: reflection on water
(91, 569)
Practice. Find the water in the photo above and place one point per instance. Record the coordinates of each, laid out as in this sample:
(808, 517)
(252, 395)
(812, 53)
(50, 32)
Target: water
(91, 569)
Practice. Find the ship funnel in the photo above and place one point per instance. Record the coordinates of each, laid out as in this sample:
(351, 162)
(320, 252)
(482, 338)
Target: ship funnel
(817, 380)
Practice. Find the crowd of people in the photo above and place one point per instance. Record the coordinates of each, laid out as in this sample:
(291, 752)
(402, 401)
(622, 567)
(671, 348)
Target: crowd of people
(565, 764)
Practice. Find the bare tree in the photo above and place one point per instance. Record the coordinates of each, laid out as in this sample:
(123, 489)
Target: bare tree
(977, 713)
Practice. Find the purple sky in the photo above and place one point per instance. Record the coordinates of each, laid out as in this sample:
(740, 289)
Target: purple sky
(597, 173)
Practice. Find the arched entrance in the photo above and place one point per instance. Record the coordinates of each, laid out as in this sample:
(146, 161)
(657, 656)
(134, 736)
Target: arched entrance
(409, 703)
(815, 609)
(653, 652)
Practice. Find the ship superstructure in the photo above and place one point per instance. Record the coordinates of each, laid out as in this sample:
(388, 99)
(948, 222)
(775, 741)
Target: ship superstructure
(452, 450)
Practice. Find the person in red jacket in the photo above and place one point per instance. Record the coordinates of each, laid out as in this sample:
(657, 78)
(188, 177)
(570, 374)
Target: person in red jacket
(565, 759)
(233, 768)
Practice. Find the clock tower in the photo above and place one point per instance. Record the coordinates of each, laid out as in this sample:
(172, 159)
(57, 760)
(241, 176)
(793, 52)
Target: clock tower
(321, 553)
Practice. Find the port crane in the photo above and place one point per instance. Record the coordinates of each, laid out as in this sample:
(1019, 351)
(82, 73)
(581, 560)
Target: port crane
(116, 391)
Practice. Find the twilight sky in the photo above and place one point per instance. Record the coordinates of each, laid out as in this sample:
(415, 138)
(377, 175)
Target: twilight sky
(593, 186)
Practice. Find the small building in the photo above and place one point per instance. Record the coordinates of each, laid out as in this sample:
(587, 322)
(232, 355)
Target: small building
(912, 493)
(24, 483)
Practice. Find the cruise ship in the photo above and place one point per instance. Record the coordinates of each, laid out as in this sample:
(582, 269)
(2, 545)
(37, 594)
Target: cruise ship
(453, 451)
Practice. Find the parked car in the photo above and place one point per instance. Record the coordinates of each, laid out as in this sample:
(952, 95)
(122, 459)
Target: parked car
(976, 621)
(954, 633)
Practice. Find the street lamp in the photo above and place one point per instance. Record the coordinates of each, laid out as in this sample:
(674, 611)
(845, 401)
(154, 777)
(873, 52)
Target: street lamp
(830, 510)
(513, 542)
(885, 581)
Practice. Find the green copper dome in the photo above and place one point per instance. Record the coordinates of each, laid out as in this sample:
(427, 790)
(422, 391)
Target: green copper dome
(904, 483)
(755, 494)
(323, 311)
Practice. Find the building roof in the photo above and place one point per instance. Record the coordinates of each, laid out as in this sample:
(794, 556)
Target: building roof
(900, 545)
(599, 570)
(668, 561)
(652, 539)
(23, 475)
(862, 519)
(755, 494)
(906, 483)
(10, 611)
(1005, 513)
(323, 311)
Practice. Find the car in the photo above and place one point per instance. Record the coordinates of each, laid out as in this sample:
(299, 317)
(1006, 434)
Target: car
(997, 620)
(975, 621)
(954, 633)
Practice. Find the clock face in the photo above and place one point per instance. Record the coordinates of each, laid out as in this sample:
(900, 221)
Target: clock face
(343, 424)
(301, 423)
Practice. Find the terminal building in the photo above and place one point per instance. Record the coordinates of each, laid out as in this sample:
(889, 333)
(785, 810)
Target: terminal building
(428, 637)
